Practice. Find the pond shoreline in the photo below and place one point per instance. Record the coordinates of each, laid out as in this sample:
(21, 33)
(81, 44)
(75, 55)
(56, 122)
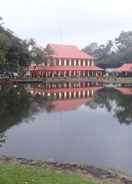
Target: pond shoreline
(104, 81)
(99, 174)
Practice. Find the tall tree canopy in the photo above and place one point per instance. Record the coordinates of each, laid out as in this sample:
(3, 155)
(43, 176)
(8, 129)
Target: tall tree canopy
(15, 52)
(113, 53)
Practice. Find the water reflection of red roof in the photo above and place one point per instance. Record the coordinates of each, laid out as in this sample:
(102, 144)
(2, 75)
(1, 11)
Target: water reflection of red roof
(125, 91)
(124, 68)
(68, 105)
(53, 90)
(68, 51)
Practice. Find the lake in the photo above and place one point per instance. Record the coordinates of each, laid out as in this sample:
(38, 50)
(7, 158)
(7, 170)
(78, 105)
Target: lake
(85, 123)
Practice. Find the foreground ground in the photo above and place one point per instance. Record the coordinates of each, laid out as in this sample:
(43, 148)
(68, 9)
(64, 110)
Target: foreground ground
(18, 174)
(24, 171)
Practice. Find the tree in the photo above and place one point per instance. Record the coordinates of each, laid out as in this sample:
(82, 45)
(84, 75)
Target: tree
(16, 53)
(4, 46)
(124, 41)
(113, 53)
(91, 48)
(121, 110)
(1, 21)
(37, 54)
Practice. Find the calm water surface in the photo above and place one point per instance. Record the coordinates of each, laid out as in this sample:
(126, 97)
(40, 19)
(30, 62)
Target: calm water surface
(85, 124)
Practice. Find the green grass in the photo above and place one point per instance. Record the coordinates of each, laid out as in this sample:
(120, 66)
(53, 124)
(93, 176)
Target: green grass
(17, 174)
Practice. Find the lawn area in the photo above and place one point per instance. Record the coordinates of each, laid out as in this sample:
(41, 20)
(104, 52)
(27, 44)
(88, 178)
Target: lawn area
(18, 174)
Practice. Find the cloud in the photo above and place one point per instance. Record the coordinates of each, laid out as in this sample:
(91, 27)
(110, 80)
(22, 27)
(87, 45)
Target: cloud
(68, 21)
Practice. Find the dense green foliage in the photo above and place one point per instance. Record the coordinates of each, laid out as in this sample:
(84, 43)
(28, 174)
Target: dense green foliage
(13, 51)
(17, 104)
(16, 53)
(16, 174)
(113, 53)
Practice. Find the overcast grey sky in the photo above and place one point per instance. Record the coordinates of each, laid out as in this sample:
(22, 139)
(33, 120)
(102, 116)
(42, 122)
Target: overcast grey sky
(67, 21)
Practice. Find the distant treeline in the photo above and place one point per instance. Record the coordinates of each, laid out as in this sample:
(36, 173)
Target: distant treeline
(16, 53)
(113, 53)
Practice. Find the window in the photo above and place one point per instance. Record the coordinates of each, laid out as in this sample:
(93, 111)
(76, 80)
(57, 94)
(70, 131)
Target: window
(72, 62)
(90, 62)
(54, 62)
(81, 62)
(77, 62)
(57, 62)
(62, 62)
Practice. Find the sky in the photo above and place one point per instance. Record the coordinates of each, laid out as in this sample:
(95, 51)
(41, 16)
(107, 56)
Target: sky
(77, 22)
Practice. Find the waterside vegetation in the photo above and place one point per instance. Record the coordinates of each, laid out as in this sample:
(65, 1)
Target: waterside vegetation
(23, 171)
(14, 174)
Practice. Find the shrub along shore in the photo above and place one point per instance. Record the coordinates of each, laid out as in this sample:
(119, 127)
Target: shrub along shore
(23, 171)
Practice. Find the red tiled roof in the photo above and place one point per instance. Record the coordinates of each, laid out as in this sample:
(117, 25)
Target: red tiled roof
(67, 51)
(68, 105)
(124, 68)
(125, 91)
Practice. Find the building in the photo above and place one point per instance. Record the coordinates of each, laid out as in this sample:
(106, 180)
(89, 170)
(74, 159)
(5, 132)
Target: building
(123, 71)
(66, 61)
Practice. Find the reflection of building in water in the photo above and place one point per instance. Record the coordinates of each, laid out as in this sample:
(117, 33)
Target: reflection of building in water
(123, 71)
(65, 61)
(65, 96)
(125, 90)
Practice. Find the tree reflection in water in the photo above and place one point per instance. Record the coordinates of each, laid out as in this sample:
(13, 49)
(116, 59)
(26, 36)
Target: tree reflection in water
(2, 139)
(17, 103)
(116, 102)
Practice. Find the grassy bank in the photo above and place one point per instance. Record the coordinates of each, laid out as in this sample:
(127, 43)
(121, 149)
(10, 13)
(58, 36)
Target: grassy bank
(18, 174)
(26, 171)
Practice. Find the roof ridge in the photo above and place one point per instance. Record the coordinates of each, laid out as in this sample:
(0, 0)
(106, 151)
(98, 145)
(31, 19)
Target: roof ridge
(68, 51)
(64, 45)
